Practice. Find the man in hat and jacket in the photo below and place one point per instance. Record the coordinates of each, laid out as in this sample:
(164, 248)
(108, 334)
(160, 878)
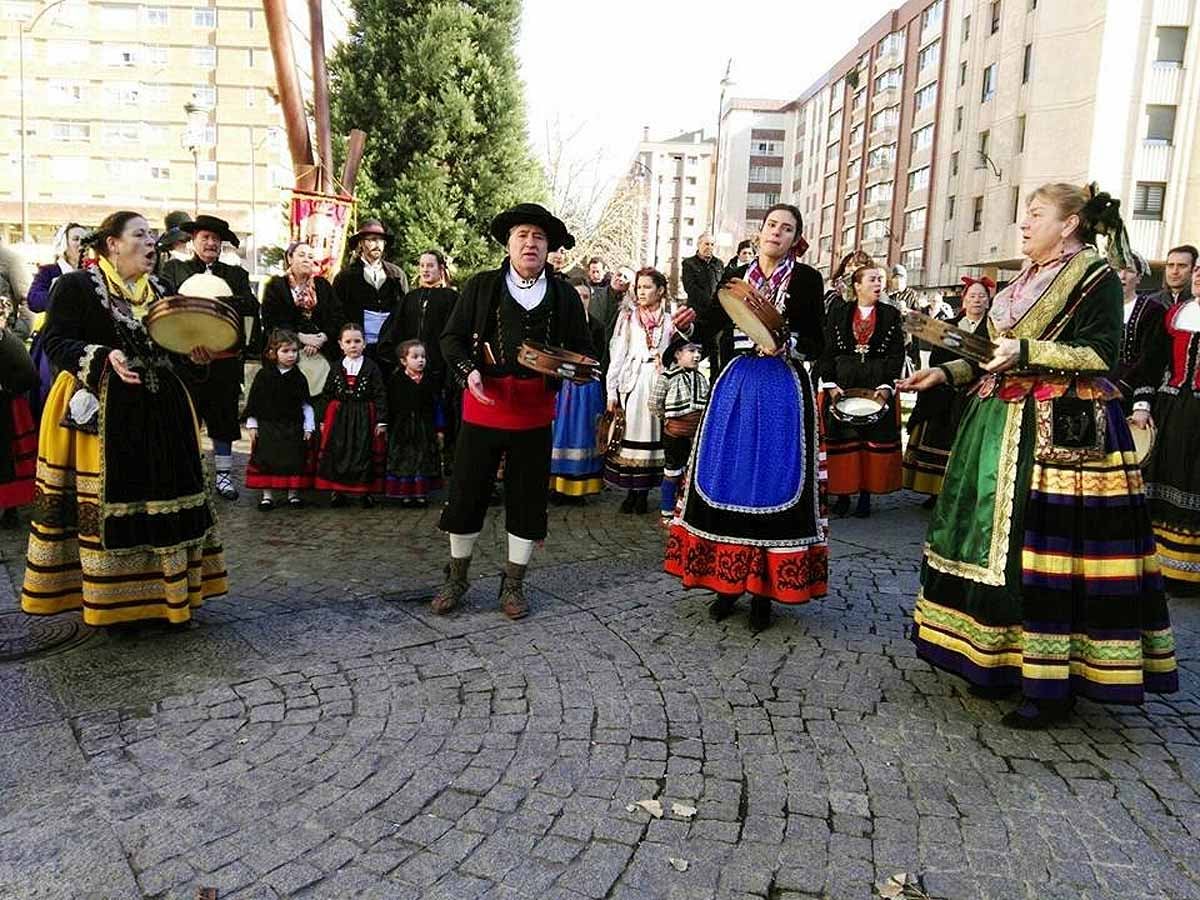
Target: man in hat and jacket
(507, 408)
(216, 387)
(174, 242)
(370, 288)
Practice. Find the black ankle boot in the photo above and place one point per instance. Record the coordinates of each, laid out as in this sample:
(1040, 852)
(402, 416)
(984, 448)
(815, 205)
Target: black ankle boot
(639, 503)
(1035, 715)
(721, 606)
(841, 506)
(863, 509)
(627, 503)
(760, 613)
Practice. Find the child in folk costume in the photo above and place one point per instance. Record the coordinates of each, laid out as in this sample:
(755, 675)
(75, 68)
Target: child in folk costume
(18, 434)
(354, 430)
(417, 432)
(642, 333)
(576, 469)
(281, 424)
(680, 395)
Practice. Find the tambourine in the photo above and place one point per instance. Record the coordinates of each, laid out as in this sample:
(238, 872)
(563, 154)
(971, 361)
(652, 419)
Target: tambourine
(559, 363)
(1143, 441)
(754, 314)
(958, 341)
(858, 407)
(610, 430)
(181, 324)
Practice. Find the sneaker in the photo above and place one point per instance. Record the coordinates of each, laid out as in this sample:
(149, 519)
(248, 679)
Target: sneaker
(226, 487)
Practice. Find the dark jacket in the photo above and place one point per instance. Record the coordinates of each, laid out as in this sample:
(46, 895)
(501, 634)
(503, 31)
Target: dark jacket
(279, 310)
(884, 362)
(474, 315)
(356, 294)
(421, 315)
(700, 278)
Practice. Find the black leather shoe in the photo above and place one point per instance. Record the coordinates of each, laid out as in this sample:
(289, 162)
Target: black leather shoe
(1036, 715)
(721, 607)
(627, 504)
(841, 506)
(760, 613)
(640, 506)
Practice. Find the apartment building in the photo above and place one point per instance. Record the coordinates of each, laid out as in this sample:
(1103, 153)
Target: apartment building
(106, 86)
(922, 143)
(676, 178)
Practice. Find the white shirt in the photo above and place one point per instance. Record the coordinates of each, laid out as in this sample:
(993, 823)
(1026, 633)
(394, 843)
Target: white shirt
(527, 297)
(1129, 305)
(1188, 318)
(374, 274)
(352, 366)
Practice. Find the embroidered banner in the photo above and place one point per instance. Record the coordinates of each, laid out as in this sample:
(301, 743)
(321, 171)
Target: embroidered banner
(323, 221)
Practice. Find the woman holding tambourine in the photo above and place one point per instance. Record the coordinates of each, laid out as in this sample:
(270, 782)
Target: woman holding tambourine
(753, 517)
(124, 526)
(864, 356)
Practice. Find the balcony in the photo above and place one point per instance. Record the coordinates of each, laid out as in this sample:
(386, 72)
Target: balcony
(882, 172)
(916, 199)
(881, 136)
(876, 248)
(880, 209)
(1153, 161)
(1164, 84)
(922, 117)
(889, 96)
(890, 53)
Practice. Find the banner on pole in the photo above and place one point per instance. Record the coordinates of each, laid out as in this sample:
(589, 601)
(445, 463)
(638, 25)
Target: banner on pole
(323, 222)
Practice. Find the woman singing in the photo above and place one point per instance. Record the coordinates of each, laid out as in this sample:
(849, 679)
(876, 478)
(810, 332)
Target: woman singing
(1039, 572)
(753, 513)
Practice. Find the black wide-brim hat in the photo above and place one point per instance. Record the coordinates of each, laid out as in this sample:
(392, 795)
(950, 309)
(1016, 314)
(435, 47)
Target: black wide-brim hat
(677, 344)
(370, 228)
(533, 214)
(171, 237)
(213, 224)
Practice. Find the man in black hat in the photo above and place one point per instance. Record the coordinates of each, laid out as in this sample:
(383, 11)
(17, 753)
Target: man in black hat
(370, 288)
(507, 408)
(217, 387)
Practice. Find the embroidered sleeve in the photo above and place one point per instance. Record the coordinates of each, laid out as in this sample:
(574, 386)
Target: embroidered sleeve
(958, 372)
(1061, 356)
(91, 365)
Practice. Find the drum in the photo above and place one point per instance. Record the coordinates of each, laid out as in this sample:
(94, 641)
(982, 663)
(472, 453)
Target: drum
(315, 370)
(559, 363)
(858, 407)
(1143, 441)
(196, 316)
(754, 314)
(610, 430)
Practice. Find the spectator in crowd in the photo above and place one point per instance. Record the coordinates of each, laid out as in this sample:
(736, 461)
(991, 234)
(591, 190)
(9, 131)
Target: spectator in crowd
(745, 252)
(370, 289)
(700, 275)
(1177, 275)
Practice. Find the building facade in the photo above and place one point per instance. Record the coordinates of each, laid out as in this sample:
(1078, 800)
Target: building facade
(105, 87)
(676, 185)
(922, 143)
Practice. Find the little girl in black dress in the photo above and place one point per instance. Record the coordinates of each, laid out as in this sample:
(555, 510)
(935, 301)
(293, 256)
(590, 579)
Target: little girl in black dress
(415, 435)
(281, 424)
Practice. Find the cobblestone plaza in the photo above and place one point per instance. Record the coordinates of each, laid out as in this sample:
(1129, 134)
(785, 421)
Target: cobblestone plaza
(319, 734)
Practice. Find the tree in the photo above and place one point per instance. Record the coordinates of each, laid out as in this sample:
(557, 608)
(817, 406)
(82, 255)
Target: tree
(434, 84)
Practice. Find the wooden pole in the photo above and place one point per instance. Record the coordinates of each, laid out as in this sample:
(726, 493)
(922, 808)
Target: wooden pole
(355, 145)
(291, 101)
(320, 74)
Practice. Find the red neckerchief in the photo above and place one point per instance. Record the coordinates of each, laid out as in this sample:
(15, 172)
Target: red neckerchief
(303, 294)
(769, 287)
(650, 319)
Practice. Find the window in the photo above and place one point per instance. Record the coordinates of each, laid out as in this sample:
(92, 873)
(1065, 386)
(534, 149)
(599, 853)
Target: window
(977, 215)
(155, 16)
(1027, 64)
(850, 204)
(70, 131)
(1020, 134)
(154, 54)
(985, 139)
(1148, 199)
(881, 156)
(122, 93)
(913, 259)
(204, 18)
(958, 119)
(119, 55)
(914, 222)
(209, 138)
(849, 235)
(765, 174)
(876, 230)
(878, 193)
(853, 170)
(770, 198)
(768, 148)
(1016, 204)
(121, 133)
(125, 171)
(950, 208)
(966, 28)
(929, 56)
(860, 97)
(893, 43)
(160, 171)
(962, 74)
(931, 17)
(1160, 125)
(832, 154)
(889, 79)
(830, 185)
(995, 16)
(65, 92)
(926, 96)
(835, 125)
(204, 57)
(204, 96)
(691, 179)
(206, 171)
(826, 246)
(989, 84)
(918, 180)
(954, 163)
(922, 138)
(856, 134)
(885, 118)
(1171, 43)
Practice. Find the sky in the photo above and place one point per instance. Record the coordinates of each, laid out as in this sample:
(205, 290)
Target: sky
(602, 69)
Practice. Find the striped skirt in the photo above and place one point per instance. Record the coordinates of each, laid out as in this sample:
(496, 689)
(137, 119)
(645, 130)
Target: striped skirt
(1076, 605)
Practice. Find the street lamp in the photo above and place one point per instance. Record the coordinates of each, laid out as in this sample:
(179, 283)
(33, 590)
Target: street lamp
(725, 83)
(22, 30)
(254, 145)
(193, 137)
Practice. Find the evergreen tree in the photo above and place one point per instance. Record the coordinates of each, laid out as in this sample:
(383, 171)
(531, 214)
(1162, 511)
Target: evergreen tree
(434, 84)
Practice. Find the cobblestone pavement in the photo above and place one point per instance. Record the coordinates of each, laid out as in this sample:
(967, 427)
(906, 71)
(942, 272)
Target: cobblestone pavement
(319, 734)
